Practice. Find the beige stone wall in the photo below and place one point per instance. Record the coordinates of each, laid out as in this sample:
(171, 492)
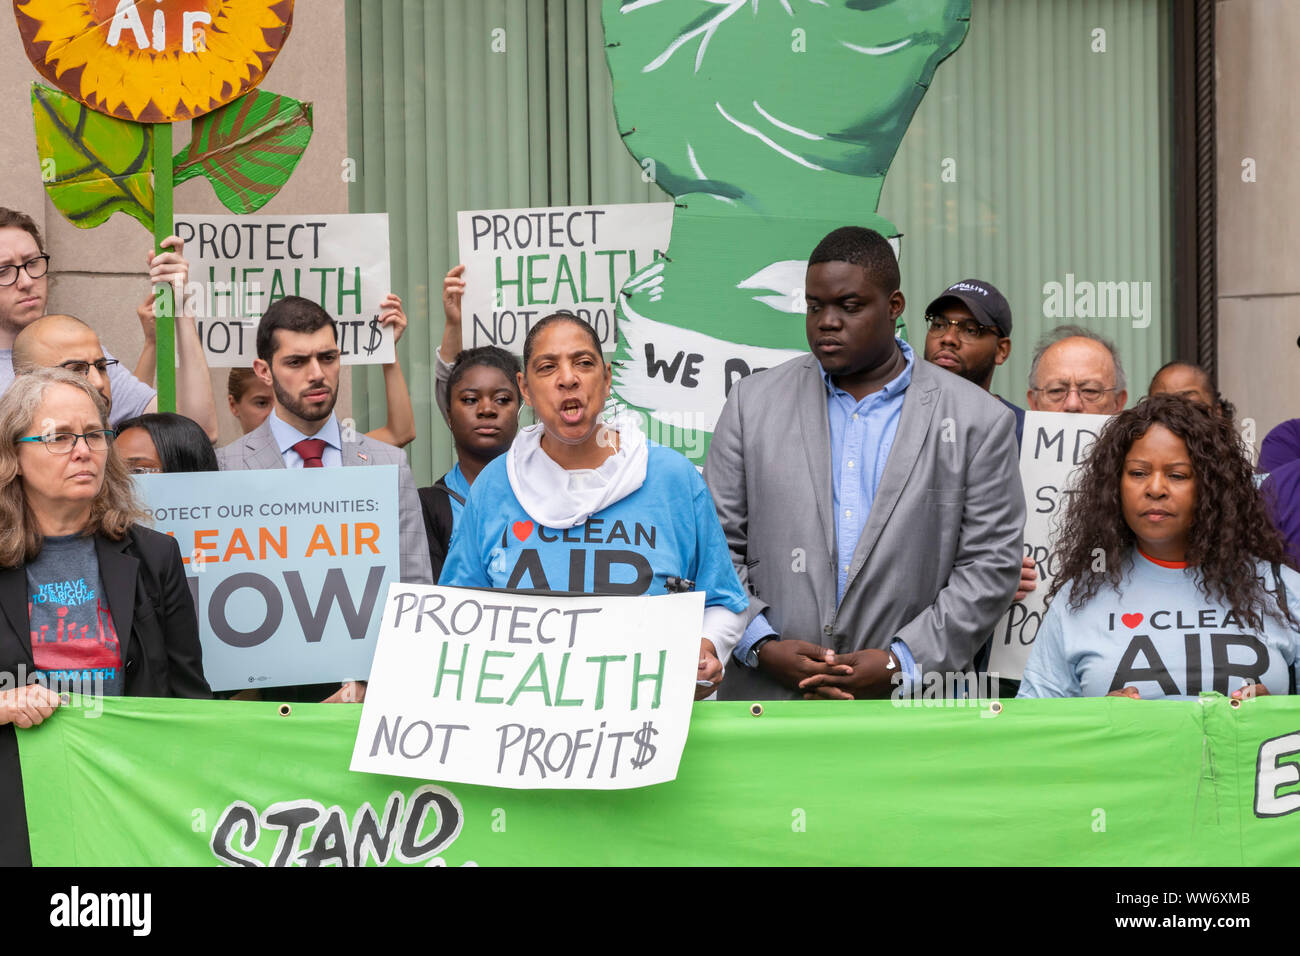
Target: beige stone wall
(1258, 115)
(99, 274)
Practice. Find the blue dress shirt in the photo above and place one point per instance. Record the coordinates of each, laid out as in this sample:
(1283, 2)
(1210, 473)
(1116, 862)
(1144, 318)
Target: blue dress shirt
(286, 436)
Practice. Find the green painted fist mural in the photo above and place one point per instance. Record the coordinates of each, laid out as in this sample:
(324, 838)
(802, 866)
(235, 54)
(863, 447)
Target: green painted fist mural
(771, 122)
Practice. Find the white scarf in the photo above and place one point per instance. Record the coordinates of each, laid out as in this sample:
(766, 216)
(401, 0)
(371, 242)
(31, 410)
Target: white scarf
(558, 498)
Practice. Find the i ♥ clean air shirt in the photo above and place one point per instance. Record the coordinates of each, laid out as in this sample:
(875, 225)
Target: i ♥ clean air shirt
(666, 528)
(1161, 634)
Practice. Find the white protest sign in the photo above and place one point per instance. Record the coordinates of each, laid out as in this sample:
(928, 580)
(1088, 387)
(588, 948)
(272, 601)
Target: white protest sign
(531, 692)
(1053, 447)
(239, 265)
(288, 569)
(523, 264)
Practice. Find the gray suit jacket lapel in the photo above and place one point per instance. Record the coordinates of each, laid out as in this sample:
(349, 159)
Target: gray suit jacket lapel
(913, 432)
(260, 450)
(351, 452)
(815, 426)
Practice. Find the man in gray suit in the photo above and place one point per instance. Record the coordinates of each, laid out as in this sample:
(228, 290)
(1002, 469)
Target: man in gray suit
(298, 356)
(871, 501)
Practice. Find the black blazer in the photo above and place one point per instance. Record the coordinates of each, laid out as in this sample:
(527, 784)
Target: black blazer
(150, 600)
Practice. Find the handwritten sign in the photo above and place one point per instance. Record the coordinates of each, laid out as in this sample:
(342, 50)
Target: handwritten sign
(239, 265)
(288, 569)
(531, 692)
(1054, 445)
(524, 264)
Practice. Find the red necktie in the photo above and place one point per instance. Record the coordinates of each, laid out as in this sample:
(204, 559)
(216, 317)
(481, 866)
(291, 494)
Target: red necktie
(310, 449)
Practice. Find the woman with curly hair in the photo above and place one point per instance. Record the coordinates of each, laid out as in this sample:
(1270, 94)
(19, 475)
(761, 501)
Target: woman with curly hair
(1172, 580)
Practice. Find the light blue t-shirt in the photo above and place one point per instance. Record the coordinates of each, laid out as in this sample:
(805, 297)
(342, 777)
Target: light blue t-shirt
(666, 528)
(1163, 635)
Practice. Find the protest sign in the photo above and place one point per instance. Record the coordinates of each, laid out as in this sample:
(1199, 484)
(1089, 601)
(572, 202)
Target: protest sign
(288, 568)
(525, 691)
(239, 265)
(523, 264)
(1051, 782)
(1054, 445)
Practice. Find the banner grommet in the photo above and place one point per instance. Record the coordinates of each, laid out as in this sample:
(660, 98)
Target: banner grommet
(756, 710)
(285, 710)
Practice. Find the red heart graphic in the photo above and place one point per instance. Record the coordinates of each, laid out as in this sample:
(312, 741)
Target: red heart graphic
(1131, 620)
(523, 529)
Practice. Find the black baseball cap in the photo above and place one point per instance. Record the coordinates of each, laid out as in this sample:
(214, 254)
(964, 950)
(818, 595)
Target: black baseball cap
(985, 302)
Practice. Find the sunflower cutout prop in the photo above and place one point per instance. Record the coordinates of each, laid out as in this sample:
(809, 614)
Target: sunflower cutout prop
(123, 72)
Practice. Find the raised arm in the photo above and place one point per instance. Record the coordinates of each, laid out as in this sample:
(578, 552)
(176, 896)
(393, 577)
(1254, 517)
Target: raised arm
(399, 430)
(453, 289)
(193, 381)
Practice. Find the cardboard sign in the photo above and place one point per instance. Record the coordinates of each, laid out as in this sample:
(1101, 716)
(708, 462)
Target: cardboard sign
(524, 264)
(288, 569)
(1054, 445)
(531, 692)
(239, 265)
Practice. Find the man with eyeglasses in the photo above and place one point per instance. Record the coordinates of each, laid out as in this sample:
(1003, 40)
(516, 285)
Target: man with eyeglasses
(62, 341)
(1076, 370)
(968, 332)
(24, 288)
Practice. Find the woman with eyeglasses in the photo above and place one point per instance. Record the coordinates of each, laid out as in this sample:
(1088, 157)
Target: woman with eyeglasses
(90, 601)
(164, 442)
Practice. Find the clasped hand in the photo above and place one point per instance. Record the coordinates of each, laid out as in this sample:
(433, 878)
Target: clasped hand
(822, 674)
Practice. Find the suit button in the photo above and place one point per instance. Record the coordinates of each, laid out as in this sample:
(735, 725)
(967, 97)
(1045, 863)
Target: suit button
(827, 630)
(130, 665)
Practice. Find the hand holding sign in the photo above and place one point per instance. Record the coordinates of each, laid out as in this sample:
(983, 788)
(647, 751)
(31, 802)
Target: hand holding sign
(391, 314)
(1028, 578)
(710, 670)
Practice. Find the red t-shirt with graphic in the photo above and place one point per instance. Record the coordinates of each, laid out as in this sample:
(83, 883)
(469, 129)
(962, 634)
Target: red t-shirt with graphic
(74, 643)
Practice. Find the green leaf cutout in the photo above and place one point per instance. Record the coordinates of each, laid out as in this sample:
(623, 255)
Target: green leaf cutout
(247, 149)
(93, 165)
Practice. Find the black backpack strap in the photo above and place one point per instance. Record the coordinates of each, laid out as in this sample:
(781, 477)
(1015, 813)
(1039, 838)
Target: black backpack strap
(441, 485)
(435, 502)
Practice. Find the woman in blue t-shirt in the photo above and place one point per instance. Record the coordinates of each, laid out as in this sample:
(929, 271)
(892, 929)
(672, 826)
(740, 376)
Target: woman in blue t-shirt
(482, 395)
(1171, 580)
(582, 506)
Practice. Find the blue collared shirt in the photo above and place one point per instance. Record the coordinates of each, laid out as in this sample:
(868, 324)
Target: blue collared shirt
(862, 434)
(286, 436)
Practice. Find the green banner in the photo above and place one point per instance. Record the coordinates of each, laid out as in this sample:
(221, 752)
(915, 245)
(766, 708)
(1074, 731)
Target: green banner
(1078, 782)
